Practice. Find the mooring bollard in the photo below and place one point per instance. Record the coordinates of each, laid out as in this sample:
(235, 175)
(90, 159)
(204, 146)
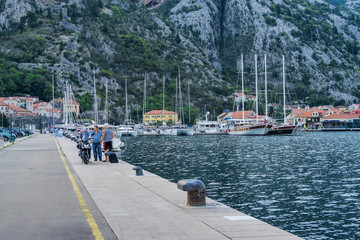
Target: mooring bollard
(195, 191)
(138, 170)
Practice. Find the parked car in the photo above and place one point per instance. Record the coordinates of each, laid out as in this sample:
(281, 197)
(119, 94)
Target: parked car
(6, 134)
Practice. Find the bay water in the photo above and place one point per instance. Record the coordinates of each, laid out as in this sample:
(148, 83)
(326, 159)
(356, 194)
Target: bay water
(307, 184)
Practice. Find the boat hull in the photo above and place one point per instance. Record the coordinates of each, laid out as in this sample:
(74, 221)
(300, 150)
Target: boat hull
(169, 132)
(278, 130)
(185, 132)
(129, 134)
(256, 130)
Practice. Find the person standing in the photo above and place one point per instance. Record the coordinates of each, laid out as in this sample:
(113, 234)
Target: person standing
(107, 136)
(96, 143)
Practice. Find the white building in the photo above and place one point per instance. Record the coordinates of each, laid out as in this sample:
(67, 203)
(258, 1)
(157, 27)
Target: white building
(354, 106)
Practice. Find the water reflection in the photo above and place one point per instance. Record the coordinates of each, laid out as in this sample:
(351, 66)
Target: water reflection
(306, 184)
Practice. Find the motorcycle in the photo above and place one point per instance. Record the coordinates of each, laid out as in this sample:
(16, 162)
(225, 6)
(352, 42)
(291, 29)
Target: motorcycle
(84, 150)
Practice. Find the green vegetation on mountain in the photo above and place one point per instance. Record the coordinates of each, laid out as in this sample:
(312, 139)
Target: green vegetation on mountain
(123, 40)
(17, 81)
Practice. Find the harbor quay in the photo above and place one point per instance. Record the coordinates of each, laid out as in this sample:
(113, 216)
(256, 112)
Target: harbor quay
(52, 195)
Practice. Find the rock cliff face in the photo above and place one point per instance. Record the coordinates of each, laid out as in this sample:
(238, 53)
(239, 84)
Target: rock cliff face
(319, 40)
(203, 38)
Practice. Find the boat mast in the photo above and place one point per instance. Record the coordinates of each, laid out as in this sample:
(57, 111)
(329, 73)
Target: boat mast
(106, 101)
(176, 97)
(70, 104)
(242, 86)
(95, 104)
(189, 100)
(180, 98)
(283, 60)
(163, 100)
(53, 103)
(65, 103)
(256, 90)
(126, 104)
(266, 106)
(144, 103)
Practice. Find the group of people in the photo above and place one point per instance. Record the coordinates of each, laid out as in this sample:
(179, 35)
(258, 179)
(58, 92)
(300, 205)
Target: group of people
(97, 139)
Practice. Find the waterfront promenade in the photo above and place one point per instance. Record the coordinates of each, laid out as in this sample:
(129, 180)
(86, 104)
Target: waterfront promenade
(38, 201)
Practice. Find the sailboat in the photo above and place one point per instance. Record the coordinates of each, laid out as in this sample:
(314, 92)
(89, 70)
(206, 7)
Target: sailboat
(283, 128)
(116, 142)
(244, 127)
(127, 129)
(164, 130)
(182, 129)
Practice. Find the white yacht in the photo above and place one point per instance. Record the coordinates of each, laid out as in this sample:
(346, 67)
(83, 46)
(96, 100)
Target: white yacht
(183, 130)
(169, 131)
(126, 130)
(207, 127)
(117, 143)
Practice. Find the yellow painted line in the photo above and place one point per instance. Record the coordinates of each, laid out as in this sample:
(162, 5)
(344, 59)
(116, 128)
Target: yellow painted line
(89, 217)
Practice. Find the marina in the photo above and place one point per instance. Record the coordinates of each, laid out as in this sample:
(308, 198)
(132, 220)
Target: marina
(307, 183)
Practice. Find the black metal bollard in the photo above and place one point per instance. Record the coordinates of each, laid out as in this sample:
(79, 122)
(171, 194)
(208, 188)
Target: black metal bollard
(138, 170)
(195, 189)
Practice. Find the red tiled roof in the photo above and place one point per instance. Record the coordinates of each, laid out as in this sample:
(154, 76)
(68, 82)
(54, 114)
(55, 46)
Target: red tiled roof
(155, 112)
(62, 100)
(336, 111)
(27, 114)
(2, 103)
(50, 110)
(296, 111)
(17, 109)
(239, 114)
(304, 114)
(340, 116)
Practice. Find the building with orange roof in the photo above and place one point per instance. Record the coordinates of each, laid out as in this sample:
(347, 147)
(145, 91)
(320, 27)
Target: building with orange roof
(240, 96)
(73, 106)
(239, 114)
(341, 107)
(340, 121)
(47, 112)
(308, 119)
(4, 107)
(19, 111)
(156, 116)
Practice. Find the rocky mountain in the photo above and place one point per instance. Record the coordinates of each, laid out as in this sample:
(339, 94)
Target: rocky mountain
(123, 39)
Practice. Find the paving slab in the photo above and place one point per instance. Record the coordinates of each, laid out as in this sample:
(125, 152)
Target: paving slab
(150, 207)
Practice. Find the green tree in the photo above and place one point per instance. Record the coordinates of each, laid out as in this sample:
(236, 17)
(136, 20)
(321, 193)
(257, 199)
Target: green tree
(85, 102)
(3, 120)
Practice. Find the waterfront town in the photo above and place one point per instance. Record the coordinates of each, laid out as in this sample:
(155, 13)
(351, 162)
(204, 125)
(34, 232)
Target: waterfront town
(30, 112)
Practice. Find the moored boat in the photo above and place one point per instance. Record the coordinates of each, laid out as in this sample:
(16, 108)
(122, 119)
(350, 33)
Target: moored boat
(256, 129)
(282, 129)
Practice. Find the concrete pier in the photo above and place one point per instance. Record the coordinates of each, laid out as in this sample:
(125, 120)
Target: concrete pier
(47, 193)
(150, 207)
